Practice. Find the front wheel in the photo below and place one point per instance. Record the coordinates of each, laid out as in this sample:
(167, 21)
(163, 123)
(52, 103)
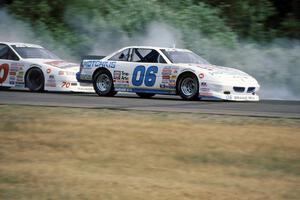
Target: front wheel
(188, 87)
(35, 80)
(103, 84)
(145, 95)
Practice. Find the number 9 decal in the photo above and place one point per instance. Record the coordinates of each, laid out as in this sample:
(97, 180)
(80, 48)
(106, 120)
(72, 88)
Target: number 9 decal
(150, 77)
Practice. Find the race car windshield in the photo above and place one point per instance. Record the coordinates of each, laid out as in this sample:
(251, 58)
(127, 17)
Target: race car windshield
(184, 57)
(34, 52)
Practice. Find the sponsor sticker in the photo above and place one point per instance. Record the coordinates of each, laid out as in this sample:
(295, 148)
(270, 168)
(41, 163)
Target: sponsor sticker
(169, 75)
(51, 81)
(201, 75)
(121, 78)
(98, 63)
(203, 84)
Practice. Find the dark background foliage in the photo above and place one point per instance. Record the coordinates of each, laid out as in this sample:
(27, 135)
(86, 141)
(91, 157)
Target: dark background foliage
(224, 20)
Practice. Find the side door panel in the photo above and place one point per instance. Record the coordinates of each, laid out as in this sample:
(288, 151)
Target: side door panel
(153, 76)
(134, 77)
(148, 77)
(145, 69)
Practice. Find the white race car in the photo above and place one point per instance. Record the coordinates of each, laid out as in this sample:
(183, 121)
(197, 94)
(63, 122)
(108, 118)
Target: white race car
(33, 67)
(153, 70)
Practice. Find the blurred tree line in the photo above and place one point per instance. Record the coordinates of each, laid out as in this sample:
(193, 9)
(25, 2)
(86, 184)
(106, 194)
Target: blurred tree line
(76, 23)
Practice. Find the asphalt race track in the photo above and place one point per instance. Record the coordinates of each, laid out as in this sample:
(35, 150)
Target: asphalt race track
(159, 103)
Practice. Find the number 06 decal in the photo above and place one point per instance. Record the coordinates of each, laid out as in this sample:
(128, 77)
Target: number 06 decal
(139, 75)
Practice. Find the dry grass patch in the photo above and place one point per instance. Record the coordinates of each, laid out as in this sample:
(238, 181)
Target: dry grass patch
(65, 153)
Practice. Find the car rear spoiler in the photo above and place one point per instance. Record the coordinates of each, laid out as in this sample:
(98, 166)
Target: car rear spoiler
(92, 57)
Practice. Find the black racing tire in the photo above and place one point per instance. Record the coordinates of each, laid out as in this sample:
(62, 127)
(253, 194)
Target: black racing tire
(35, 80)
(145, 95)
(188, 87)
(103, 84)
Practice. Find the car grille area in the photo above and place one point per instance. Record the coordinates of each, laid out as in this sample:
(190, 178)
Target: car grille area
(236, 89)
(251, 89)
(239, 89)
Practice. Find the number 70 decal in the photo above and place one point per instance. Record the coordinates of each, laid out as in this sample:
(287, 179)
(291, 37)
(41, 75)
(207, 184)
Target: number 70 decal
(139, 75)
(65, 84)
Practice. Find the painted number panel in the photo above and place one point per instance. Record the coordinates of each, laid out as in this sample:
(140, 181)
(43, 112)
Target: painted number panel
(141, 75)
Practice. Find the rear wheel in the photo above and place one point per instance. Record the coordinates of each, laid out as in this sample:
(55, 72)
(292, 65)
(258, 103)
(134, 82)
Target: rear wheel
(145, 95)
(35, 80)
(188, 87)
(103, 84)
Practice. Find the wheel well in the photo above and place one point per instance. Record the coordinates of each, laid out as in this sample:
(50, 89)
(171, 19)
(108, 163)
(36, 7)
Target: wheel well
(186, 73)
(98, 70)
(25, 77)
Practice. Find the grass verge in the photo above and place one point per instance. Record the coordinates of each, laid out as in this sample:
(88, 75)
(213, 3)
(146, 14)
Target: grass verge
(68, 153)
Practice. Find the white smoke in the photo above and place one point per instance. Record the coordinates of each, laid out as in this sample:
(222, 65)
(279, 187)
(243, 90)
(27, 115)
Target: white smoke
(275, 65)
(107, 38)
(13, 30)
(156, 34)
(16, 30)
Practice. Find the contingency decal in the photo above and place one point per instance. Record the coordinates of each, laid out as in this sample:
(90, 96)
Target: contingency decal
(169, 75)
(16, 73)
(121, 79)
(4, 68)
(204, 87)
(51, 81)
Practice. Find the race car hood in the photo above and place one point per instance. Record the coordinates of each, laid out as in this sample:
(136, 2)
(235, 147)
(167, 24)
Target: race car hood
(226, 74)
(61, 64)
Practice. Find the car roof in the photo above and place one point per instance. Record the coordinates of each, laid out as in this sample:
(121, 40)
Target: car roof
(20, 44)
(160, 48)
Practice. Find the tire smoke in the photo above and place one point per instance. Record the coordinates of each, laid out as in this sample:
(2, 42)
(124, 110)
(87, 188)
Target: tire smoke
(276, 65)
